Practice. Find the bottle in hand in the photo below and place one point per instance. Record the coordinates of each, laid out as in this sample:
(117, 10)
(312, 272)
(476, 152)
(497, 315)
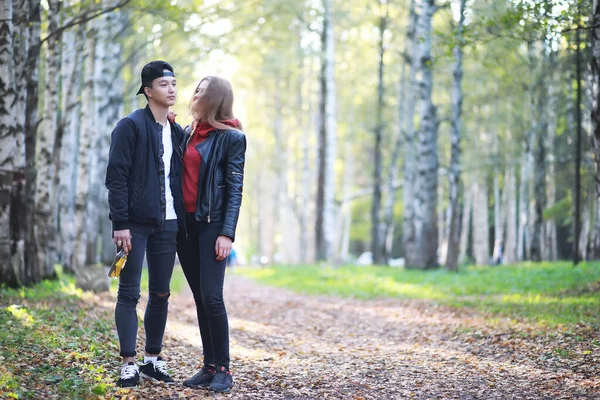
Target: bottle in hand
(118, 264)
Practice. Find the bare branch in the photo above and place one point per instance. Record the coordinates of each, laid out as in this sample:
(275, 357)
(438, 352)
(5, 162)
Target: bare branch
(83, 18)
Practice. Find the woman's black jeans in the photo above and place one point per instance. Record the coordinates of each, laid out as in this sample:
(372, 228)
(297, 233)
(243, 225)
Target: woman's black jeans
(159, 245)
(205, 276)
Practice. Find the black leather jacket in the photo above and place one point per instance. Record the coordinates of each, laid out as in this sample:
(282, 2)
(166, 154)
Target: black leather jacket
(221, 179)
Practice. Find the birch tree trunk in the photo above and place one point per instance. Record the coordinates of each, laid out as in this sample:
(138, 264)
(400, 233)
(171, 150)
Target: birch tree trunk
(279, 170)
(549, 248)
(422, 249)
(34, 248)
(325, 226)
(67, 171)
(47, 138)
(481, 247)
(12, 239)
(377, 244)
(113, 111)
(81, 198)
(595, 115)
(540, 167)
(454, 170)
(466, 226)
(303, 196)
(584, 236)
(390, 200)
(409, 166)
(510, 187)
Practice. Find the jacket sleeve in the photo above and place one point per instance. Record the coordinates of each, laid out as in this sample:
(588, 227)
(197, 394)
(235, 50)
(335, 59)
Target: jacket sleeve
(235, 183)
(120, 162)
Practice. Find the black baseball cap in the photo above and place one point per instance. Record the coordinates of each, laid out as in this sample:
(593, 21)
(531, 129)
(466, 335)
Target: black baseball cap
(153, 70)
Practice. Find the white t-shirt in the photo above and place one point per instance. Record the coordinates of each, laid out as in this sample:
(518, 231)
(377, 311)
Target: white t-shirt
(168, 152)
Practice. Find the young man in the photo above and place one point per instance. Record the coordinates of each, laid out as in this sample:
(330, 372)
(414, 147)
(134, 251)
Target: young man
(143, 179)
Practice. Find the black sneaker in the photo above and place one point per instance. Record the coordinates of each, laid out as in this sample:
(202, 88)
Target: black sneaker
(130, 375)
(222, 381)
(156, 371)
(202, 379)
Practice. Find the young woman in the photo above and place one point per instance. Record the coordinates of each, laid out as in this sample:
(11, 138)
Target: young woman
(212, 192)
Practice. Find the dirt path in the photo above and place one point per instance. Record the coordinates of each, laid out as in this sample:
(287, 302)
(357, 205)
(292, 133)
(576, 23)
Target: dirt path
(290, 346)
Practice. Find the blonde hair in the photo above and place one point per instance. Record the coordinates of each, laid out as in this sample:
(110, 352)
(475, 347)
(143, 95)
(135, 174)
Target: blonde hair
(217, 100)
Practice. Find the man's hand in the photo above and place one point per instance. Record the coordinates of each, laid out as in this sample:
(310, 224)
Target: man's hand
(123, 240)
(223, 247)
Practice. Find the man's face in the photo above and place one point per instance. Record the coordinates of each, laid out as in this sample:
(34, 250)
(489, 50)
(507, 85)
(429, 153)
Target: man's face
(163, 91)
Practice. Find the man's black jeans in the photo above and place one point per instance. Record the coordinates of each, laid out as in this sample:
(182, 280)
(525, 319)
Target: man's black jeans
(205, 276)
(159, 245)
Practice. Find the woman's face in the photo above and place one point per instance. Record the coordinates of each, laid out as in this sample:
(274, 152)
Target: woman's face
(197, 106)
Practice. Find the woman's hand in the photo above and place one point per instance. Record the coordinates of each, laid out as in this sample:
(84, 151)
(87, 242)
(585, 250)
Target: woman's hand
(223, 247)
(171, 116)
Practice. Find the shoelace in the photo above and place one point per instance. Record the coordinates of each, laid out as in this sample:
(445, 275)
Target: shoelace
(128, 371)
(220, 377)
(161, 366)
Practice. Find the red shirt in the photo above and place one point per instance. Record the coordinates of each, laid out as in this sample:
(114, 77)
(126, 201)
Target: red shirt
(192, 161)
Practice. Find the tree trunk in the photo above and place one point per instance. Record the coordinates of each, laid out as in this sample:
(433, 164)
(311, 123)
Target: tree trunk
(34, 262)
(510, 187)
(113, 111)
(549, 248)
(388, 221)
(422, 247)
(466, 226)
(454, 170)
(595, 115)
(578, 133)
(12, 239)
(325, 225)
(85, 137)
(481, 247)
(69, 125)
(47, 144)
(409, 166)
(584, 235)
(540, 166)
(377, 243)
(280, 194)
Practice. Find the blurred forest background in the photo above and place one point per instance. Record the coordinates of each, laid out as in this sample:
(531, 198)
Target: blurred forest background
(422, 133)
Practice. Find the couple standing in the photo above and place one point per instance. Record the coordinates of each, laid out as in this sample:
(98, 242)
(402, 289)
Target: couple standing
(174, 190)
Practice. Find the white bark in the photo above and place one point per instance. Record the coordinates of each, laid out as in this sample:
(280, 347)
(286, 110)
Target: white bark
(584, 236)
(45, 195)
(451, 255)
(12, 266)
(595, 67)
(510, 246)
(85, 138)
(409, 166)
(549, 243)
(325, 230)
(465, 225)
(422, 247)
(71, 106)
(481, 247)
(393, 170)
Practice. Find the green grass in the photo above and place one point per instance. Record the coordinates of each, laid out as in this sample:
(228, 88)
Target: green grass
(548, 293)
(55, 340)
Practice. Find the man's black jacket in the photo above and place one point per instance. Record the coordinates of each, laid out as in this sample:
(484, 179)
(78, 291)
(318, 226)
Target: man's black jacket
(135, 172)
(221, 179)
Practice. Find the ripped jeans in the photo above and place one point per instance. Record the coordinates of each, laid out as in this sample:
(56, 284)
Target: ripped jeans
(159, 245)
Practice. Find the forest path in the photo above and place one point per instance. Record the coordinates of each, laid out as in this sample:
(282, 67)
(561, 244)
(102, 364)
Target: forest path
(291, 346)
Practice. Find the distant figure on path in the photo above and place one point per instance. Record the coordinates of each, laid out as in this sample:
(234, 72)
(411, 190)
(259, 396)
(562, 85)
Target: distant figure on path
(212, 190)
(143, 178)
